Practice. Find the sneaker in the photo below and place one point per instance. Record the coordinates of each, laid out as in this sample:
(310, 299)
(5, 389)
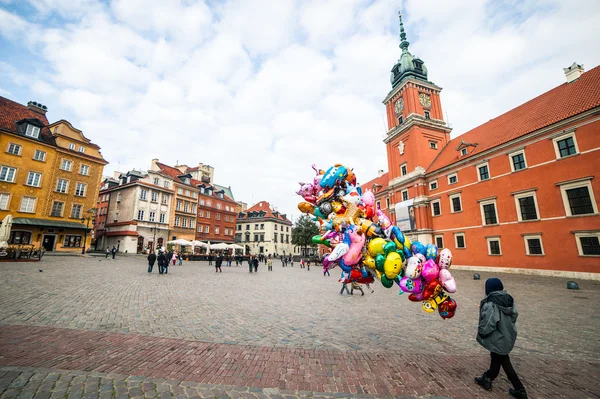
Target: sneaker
(484, 381)
(517, 393)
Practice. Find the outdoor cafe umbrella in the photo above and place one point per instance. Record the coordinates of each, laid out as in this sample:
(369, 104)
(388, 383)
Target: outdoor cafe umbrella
(220, 246)
(5, 231)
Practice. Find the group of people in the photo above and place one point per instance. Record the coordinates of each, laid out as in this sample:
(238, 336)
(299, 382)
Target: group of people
(164, 258)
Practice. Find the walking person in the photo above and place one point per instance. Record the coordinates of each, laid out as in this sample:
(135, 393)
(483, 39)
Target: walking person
(270, 264)
(168, 258)
(174, 258)
(151, 261)
(356, 286)
(210, 259)
(344, 287)
(255, 265)
(218, 262)
(180, 258)
(107, 252)
(250, 263)
(497, 332)
(291, 261)
(161, 262)
(308, 265)
(113, 251)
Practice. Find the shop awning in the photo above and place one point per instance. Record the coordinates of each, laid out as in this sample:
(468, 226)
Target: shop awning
(49, 223)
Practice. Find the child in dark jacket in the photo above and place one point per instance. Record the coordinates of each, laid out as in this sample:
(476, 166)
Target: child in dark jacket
(497, 332)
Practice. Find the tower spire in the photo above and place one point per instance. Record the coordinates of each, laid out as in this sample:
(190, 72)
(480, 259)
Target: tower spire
(403, 42)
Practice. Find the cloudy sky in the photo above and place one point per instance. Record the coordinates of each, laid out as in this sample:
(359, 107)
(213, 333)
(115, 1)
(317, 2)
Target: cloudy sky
(263, 89)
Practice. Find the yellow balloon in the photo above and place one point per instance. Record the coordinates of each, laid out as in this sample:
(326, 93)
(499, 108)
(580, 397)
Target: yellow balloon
(378, 274)
(376, 246)
(369, 261)
(407, 242)
(392, 265)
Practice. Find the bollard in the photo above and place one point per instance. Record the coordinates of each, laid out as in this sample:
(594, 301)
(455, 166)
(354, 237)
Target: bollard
(476, 276)
(572, 285)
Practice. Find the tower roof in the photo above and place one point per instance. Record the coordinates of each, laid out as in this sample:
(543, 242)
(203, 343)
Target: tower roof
(408, 65)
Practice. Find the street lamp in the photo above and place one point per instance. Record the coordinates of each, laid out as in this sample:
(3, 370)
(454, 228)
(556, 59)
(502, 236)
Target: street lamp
(87, 221)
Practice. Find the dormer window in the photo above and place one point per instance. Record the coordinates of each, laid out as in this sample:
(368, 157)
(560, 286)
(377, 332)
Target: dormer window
(71, 146)
(221, 195)
(201, 190)
(418, 64)
(32, 131)
(81, 149)
(463, 152)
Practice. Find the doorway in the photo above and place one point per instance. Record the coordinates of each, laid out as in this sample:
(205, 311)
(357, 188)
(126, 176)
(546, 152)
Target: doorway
(48, 242)
(140, 244)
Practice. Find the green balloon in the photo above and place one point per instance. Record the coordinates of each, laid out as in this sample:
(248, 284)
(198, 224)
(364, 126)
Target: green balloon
(387, 283)
(389, 247)
(319, 240)
(379, 261)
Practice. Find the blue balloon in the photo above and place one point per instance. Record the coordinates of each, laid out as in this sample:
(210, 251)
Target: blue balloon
(431, 251)
(418, 248)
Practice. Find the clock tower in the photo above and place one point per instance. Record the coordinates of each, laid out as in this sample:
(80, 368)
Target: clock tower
(416, 128)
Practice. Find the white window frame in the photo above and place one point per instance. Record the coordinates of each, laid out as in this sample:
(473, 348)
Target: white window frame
(32, 131)
(162, 218)
(206, 229)
(86, 170)
(201, 213)
(452, 196)
(402, 195)
(488, 202)
(578, 242)
(32, 184)
(456, 242)
(405, 166)
(72, 146)
(28, 202)
(140, 214)
(7, 203)
(488, 240)
(510, 160)
(533, 236)
(192, 223)
(180, 191)
(434, 146)
(66, 189)
(218, 217)
(167, 184)
(81, 149)
(67, 162)
(481, 165)
(455, 174)
(73, 206)
(18, 147)
(464, 151)
(143, 194)
(208, 214)
(436, 185)
(216, 230)
(177, 221)
(184, 222)
(8, 170)
(156, 181)
(435, 237)
(151, 216)
(36, 152)
(77, 189)
(439, 202)
(581, 183)
(555, 141)
(165, 199)
(518, 206)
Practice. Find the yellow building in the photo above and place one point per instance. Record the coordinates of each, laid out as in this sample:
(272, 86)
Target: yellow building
(49, 179)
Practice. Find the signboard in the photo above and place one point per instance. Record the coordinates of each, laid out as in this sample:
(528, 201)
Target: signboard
(405, 216)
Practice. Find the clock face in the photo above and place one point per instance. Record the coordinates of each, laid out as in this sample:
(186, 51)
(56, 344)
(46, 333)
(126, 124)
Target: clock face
(425, 100)
(399, 105)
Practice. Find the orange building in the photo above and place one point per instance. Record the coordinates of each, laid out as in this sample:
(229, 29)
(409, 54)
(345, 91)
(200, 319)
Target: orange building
(518, 191)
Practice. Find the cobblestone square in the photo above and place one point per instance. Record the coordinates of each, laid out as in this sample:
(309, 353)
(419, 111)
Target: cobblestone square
(100, 328)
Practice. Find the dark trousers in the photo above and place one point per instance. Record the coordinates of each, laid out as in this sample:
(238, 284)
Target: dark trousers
(270, 268)
(114, 253)
(161, 269)
(166, 268)
(150, 267)
(344, 287)
(256, 269)
(504, 361)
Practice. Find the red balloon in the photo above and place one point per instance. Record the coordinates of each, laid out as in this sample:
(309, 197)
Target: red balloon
(432, 288)
(447, 308)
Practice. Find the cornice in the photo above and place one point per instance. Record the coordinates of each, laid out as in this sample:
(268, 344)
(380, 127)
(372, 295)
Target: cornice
(416, 120)
(418, 173)
(411, 82)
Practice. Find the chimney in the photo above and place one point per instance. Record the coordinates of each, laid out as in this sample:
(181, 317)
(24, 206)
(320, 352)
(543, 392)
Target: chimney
(37, 107)
(380, 173)
(154, 166)
(573, 72)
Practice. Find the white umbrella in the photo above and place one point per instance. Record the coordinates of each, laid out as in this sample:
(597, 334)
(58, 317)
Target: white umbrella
(180, 241)
(234, 246)
(208, 248)
(5, 231)
(220, 245)
(199, 244)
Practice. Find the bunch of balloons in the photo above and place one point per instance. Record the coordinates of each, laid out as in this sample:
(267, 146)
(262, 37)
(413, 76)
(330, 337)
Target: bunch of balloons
(366, 245)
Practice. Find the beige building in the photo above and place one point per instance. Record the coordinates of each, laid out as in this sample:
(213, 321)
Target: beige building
(261, 229)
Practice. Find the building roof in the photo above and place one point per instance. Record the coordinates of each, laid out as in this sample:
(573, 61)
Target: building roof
(562, 102)
(11, 112)
(174, 173)
(227, 191)
(268, 213)
(376, 185)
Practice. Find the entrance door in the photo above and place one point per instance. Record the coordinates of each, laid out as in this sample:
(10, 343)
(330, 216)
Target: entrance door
(48, 243)
(140, 244)
(150, 246)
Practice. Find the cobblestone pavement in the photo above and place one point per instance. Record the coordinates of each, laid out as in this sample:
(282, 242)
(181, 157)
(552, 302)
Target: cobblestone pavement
(286, 330)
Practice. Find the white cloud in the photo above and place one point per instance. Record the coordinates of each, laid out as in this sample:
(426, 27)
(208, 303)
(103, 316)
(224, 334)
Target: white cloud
(261, 90)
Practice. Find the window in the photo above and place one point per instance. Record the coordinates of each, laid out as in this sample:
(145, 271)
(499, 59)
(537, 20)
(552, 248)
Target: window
(227, 218)
(66, 165)
(34, 179)
(71, 146)
(527, 208)
(218, 206)
(433, 185)
(403, 169)
(378, 204)
(186, 206)
(57, 209)
(208, 214)
(154, 196)
(565, 145)
(216, 230)
(62, 186)
(436, 209)
(202, 202)
(200, 213)
(262, 226)
(162, 218)
(494, 246)
(177, 221)
(199, 229)
(14, 149)
(255, 227)
(194, 194)
(387, 203)
(459, 241)
(84, 170)
(167, 184)
(247, 227)
(39, 155)
(143, 194)
(156, 181)
(20, 237)
(453, 178)
(588, 244)
(206, 229)
(27, 204)
(187, 193)
(275, 228)
(140, 214)
(7, 174)
(151, 216)
(439, 241)
(4, 201)
(578, 198)
(517, 161)
(217, 216)
(400, 120)
(80, 189)
(76, 211)
(427, 116)
(483, 172)
(81, 149)
(533, 244)
(488, 212)
(207, 203)
(72, 241)
(178, 206)
(32, 131)
(239, 226)
(455, 203)
(404, 195)
(165, 199)
(463, 152)
(433, 145)
(185, 222)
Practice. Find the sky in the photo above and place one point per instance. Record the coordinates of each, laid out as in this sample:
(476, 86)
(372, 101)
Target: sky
(263, 89)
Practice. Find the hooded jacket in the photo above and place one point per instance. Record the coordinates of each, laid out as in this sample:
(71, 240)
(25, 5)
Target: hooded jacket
(497, 331)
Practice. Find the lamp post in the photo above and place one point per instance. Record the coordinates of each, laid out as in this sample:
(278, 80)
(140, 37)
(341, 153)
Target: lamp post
(87, 221)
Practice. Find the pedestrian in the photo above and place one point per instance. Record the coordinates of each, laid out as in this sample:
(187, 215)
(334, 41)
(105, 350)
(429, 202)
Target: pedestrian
(250, 263)
(270, 264)
(174, 258)
(229, 260)
(308, 265)
(107, 252)
(180, 258)
(113, 251)
(161, 262)
(210, 259)
(291, 261)
(255, 265)
(301, 263)
(218, 262)
(369, 287)
(151, 260)
(344, 287)
(497, 332)
(168, 257)
(356, 286)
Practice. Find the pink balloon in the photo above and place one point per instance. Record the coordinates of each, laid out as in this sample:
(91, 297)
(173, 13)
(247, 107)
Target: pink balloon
(430, 270)
(408, 284)
(447, 280)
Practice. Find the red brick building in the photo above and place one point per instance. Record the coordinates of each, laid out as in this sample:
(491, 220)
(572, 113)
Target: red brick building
(216, 215)
(518, 191)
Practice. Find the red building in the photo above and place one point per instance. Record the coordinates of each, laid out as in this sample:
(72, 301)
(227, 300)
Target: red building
(518, 191)
(216, 215)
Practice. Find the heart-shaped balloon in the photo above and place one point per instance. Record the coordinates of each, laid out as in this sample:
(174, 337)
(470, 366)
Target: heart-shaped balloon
(445, 259)
(447, 280)
(447, 308)
(430, 270)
